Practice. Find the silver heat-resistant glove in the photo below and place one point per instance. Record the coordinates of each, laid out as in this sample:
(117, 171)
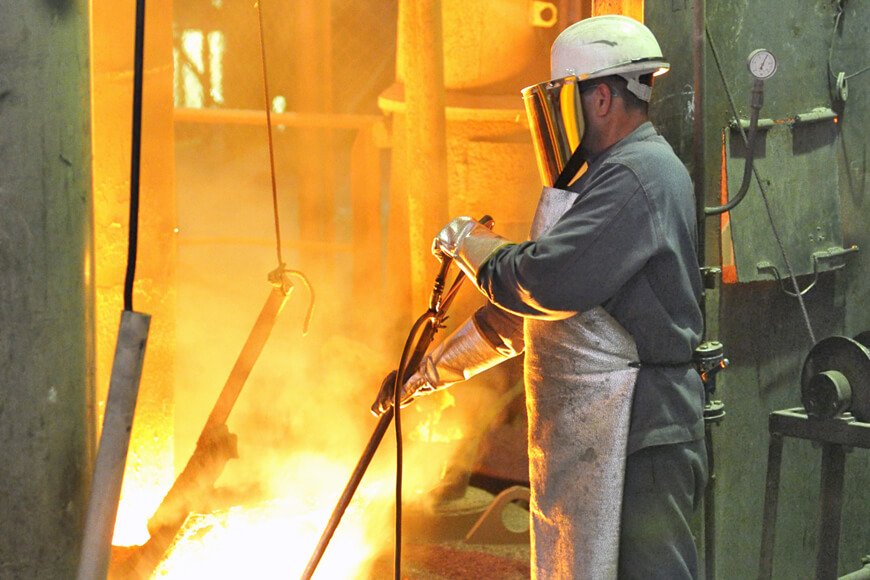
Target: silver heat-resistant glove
(469, 242)
(460, 356)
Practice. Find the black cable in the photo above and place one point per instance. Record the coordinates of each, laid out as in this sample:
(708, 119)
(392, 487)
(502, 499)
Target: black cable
(135, 155)
(840, 10)
(269, 133)
(399, 381)
(397, 424)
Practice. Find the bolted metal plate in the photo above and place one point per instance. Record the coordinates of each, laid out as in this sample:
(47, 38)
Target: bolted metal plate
(846, 356)
(798, 165)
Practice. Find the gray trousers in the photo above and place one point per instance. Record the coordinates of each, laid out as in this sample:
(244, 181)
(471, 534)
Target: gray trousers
(664, 486)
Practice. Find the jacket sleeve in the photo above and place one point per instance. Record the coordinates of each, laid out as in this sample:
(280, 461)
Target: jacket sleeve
(503, 330)
(606, 237)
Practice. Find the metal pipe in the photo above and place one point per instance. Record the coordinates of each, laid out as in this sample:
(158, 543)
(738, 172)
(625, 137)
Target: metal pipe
(111, 62)
(293, 119)
(699, 176)
(757, 101)
(745, 124)
(425, 162)
(710, 509)
(114, 444)
(698, 126)
(814, 116)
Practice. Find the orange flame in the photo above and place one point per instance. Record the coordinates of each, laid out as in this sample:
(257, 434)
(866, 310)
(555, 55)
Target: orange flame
(429, 428)
(275, 538)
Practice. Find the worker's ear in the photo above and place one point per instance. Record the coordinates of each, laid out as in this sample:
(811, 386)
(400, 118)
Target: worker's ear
(599, 100)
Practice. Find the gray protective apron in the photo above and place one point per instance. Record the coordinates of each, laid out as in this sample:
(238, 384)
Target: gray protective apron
(579, 388)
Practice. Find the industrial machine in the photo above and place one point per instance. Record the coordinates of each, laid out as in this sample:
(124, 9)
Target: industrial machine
(836, 378)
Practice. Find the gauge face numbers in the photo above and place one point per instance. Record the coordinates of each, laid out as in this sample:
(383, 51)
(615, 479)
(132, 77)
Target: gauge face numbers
(762, 64)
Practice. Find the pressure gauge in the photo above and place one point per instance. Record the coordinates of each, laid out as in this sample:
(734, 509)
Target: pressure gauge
(762, 64)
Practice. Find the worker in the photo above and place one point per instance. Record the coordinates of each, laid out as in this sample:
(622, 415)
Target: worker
(603, 301)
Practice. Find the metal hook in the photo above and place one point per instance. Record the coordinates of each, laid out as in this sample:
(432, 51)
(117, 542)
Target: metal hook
(280, 278)
(829, 254)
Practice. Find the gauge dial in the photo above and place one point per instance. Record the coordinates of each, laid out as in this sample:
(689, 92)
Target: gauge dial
(762, 64)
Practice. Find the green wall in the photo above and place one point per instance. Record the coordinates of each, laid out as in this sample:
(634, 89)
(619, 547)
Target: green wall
(44, 302)
(762, 329)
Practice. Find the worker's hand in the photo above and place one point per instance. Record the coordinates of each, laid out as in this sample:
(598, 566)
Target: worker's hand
(469, 242)
(462, 355)
(417, 384)
(448, 240)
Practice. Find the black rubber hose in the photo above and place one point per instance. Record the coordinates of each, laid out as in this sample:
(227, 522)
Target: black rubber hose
(757, 101)
(404, 372)
(135, 155)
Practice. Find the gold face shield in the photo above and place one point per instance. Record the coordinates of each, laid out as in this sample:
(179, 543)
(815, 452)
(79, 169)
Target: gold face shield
(555, 115)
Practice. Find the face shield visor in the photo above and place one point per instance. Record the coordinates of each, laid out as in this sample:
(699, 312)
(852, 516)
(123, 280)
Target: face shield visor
(555, 115)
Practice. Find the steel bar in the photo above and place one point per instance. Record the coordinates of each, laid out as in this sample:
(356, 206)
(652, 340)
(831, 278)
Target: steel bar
(413, 363)
(348, 493)
(830, 510)
(246, 359)
(430, 321)
(710, 508)
(698, 126)
(252, 117)
(214, 448)
(771, 499)
(841, 430)
(114, 445)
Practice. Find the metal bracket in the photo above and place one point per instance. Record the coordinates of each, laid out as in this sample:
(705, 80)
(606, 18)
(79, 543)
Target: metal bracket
(832, 256)
(490, 528)
(711, 276)
(815, 116)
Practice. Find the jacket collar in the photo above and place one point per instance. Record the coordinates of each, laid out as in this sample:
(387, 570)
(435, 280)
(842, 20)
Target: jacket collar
(641, 133)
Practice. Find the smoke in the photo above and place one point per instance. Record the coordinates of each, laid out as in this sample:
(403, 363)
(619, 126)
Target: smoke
(302, 419)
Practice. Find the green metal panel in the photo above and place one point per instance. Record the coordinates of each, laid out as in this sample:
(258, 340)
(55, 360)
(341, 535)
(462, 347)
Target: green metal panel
(798, 163)
(761, 328)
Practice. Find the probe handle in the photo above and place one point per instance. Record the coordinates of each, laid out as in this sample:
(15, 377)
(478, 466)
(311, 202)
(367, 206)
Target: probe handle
(446, 262)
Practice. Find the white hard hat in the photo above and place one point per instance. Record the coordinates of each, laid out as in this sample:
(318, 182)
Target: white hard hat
(608, 45)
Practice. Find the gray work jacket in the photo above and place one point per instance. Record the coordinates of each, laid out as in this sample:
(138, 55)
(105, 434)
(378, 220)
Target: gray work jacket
(627, 244)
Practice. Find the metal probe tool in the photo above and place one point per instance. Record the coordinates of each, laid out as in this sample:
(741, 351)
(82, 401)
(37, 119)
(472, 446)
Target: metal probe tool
(431, 321)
